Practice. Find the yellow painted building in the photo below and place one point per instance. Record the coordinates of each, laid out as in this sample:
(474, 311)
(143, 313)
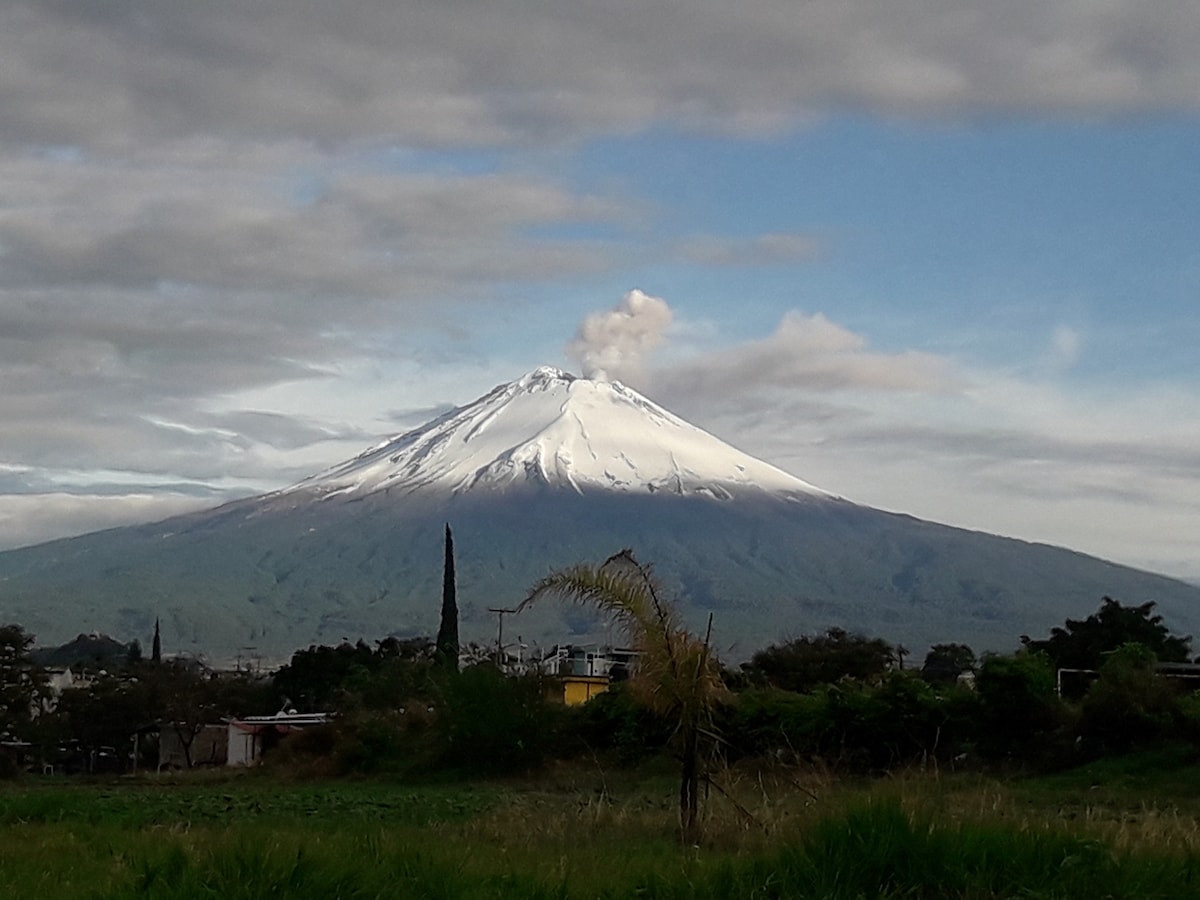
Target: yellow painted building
(578, 689)
(586, 671)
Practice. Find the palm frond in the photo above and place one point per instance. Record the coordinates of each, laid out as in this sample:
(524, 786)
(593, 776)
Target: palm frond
(676, 673)
(620, 588)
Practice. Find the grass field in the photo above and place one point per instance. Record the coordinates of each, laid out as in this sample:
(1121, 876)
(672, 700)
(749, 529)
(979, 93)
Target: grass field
(1121, 829)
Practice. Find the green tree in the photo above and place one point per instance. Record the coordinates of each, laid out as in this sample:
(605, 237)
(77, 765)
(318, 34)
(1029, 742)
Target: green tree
(1082, 643)
(191, 698)
(107, 713)
(944, 663)
(324, 678)
(314, 678)
(676, 674)
(22, 683)
(156, 645)
(804, 663)
(145, 698)
(447, 636)
(397, 673)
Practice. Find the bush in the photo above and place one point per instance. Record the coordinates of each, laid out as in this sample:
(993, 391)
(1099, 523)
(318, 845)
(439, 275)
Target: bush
(362, 742)
(1129, 705)
(371, 743)
(1019, 714)
(878, 727)
(491, 723)
(804, 663)
(615, 722)
(767, 721)
(479, 720)
(900, 721)
(851, 724)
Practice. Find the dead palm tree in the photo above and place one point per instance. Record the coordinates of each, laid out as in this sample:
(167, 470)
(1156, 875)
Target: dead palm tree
(675, 676)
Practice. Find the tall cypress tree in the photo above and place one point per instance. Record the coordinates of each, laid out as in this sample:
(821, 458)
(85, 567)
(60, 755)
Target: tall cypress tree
(447, 636)
(156, 647)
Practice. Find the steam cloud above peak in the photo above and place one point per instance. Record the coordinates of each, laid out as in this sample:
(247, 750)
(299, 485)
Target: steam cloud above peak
(611, 345)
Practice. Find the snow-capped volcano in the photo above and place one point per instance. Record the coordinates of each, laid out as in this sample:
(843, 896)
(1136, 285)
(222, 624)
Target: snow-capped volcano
(552, 428)
(542, 473)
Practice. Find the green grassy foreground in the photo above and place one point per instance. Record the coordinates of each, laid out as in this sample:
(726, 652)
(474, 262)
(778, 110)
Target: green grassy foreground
(574, 833)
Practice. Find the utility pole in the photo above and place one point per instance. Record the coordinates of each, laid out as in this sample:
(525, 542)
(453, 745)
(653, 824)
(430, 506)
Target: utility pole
(500, 612)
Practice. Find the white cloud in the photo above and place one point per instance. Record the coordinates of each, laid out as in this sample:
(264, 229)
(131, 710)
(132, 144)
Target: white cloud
(1066, 345)
(33, 518)
(809, 353)
(1109, 471)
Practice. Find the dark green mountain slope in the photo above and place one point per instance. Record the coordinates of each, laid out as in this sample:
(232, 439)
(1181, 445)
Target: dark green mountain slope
(281, 572)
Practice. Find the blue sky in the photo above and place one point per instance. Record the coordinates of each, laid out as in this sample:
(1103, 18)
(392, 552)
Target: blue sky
(939, 261)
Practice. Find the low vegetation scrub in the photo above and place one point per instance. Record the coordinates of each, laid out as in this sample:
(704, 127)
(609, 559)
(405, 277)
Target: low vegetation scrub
(582, 832)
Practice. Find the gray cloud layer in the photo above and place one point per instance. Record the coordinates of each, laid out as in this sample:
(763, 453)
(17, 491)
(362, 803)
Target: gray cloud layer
(197, 200)
(130, 291)
(112, 74)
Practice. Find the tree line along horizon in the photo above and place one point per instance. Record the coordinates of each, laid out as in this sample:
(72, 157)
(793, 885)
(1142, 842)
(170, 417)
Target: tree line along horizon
(1117, 642)
(836, 698)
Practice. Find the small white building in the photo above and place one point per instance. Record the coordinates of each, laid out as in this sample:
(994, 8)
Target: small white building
(250, 736)
(589, 660)
(59, 680)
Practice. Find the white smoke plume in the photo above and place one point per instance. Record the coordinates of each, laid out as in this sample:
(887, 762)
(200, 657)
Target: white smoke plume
(610, 345)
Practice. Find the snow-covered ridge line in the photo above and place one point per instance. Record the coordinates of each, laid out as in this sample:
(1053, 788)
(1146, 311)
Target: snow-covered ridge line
(554, 429)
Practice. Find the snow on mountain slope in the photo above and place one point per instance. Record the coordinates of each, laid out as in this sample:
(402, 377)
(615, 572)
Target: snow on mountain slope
(552, 428)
